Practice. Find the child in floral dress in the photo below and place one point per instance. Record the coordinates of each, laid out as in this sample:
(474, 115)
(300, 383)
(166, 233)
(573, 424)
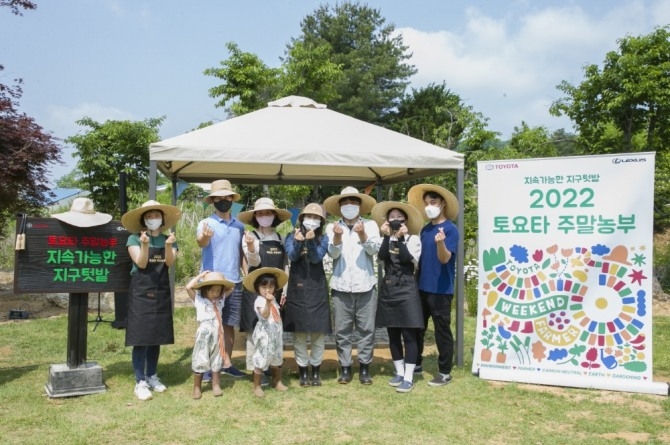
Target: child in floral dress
(267, 335)
(207, 291)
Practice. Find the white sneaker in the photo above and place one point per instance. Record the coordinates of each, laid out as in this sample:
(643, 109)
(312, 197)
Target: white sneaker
(155, 384)
(142, 391)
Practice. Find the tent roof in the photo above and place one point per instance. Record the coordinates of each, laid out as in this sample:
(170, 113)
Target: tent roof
(297, 141)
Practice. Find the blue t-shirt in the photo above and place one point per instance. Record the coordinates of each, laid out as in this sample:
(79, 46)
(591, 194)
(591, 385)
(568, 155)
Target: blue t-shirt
(435, 277)
(224, 251)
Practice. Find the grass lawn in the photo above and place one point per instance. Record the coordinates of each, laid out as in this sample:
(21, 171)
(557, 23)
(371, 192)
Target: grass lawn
(468, 411)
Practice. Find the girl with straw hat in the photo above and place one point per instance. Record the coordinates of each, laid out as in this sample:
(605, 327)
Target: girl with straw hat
(150, 297)
(207, 291)
(399, 306)
(267, 336)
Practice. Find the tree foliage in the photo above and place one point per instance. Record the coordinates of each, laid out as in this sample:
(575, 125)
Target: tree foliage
(16, 5)
(107, 149)
(371, 57)
(26, 152)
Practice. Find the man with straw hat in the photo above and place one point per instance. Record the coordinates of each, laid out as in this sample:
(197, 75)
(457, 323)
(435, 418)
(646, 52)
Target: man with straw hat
(437, 270)
(352, 243)
(220, 238)
(150, 297)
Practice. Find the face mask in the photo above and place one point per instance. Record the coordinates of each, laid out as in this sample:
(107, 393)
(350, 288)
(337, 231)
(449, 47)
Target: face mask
(433, 211)
(349, 211)
(153, 224)
(311, 224)
(223, 206)
(396, 224)
(265, 221)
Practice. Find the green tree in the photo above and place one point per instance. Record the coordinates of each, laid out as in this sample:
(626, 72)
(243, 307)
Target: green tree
(532, 142)
(112, 147)
(248, 84)
(371, 57)
(629, 93)
(70, 180)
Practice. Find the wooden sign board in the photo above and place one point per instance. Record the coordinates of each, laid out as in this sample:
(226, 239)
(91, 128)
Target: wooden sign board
(59, 257)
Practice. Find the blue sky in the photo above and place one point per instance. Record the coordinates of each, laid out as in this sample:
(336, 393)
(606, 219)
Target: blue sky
(134, 59)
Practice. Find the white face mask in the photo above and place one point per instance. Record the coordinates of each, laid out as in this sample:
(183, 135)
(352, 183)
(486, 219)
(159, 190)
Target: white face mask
(265, 221)
(349, 211)
(154, 223)
(311, 224)
(433, 212)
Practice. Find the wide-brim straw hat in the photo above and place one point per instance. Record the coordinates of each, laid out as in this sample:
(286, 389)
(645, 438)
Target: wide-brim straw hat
(332, 204)
(221, 187)
(133, 223)
(263, 204)
(414, 220)
(280, 275)
(82, 214)
(212, 279)
(415, 198)
(312, 209)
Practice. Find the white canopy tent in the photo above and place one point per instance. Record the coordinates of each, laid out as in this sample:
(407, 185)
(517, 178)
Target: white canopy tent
(298, 141)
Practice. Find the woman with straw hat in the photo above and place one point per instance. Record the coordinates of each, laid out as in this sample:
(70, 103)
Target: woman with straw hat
(399, 306)
(263, 247)
(307, 307)
(150, 297)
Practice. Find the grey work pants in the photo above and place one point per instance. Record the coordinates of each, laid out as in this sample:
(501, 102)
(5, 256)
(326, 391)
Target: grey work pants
(354, 313)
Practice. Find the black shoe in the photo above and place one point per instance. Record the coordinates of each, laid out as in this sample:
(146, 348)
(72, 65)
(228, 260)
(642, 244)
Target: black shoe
(316, 376)
(364, 374)
(345, 375)
(304, 381)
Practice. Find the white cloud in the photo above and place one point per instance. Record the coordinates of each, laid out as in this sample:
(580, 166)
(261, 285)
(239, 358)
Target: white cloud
(508, 67)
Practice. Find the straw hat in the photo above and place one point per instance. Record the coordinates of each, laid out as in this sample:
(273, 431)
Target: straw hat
(279, 274)
(313, 209)
(212, 279)
(82, 214)
(134, 223)
(415, 198)
(221, 187)
(263, 204)
(332, 204)
(414, 219)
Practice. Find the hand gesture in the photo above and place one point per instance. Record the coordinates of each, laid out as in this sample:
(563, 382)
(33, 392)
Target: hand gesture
(439, 236)
(207, 231)
(385, 229)
(402, 231)
(248, 238)
(298, 235)
(171, 239)
(359, 227)
(310, 234)
(144, 239)
(337, 229)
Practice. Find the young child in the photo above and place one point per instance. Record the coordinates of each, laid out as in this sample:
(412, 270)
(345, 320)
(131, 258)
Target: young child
(267, 335)
(208, 349)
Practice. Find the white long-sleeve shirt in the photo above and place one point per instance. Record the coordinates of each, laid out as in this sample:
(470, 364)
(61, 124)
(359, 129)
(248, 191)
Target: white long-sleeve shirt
(353, 261)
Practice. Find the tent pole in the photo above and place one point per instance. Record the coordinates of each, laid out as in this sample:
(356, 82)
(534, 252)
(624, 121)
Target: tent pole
(460, 297)
(152, 179)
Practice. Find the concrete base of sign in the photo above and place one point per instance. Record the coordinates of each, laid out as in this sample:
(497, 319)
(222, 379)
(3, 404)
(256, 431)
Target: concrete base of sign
(67, 382)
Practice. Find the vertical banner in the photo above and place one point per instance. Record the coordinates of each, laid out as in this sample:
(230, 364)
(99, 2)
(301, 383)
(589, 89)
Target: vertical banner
(565, 272)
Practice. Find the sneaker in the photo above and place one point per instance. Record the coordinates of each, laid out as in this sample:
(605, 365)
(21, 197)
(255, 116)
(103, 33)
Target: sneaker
(418, 369)
(142, 390)
(396, 380)
(233, 372)
(405, 386)
(155, 384)
(440, 379)
(207, 377)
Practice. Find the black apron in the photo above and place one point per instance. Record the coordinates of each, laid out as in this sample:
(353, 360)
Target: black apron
(272, 254)
(398, 305)
(150, 304)
(307, 306)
